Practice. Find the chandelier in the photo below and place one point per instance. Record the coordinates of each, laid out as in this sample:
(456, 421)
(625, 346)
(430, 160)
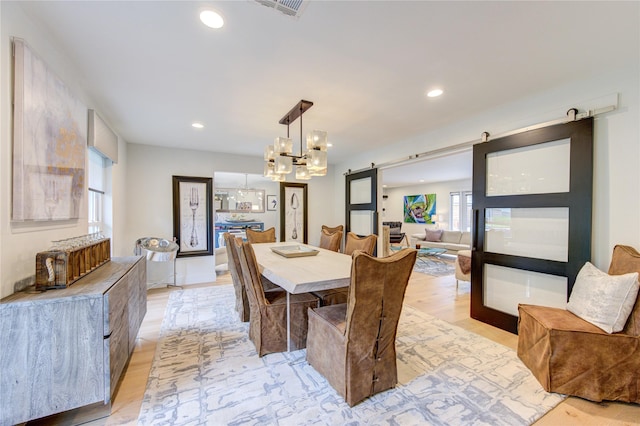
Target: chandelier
(280, 159)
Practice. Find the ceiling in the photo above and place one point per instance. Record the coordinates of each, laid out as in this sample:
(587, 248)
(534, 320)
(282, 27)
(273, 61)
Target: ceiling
(152, 68)
(450, 167)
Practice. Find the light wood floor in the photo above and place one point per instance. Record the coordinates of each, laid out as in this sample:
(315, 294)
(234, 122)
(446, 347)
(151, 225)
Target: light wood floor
(436, 296)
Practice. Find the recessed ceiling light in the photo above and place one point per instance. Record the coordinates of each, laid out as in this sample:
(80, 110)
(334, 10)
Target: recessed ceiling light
(197, 125)
(211, 19)
(434, 93)
(421, 180)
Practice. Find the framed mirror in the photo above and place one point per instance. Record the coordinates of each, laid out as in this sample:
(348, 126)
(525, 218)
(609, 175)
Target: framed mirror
(239, 200)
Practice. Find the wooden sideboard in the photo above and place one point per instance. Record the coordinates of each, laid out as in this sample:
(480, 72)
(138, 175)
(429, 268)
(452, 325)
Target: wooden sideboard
(66, 348)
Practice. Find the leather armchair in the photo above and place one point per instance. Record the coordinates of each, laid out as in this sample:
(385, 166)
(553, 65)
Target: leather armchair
(266, 236)
(353, 344)
(268, 310)
(571, 356)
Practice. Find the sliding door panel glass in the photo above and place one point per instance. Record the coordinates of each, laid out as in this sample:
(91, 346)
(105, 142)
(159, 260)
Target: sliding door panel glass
(361, 222)
(535, 169)
(360, 191)
(540, 233)
(505, 287)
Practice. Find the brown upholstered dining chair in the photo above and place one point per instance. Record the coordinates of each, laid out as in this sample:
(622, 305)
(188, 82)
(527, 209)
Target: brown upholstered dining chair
(232, 245)
(242, 303)
(572, 356)
(268, 310)
(332, 229)
(353, 344)
(330, 240)
(266, 236)
(367, 243)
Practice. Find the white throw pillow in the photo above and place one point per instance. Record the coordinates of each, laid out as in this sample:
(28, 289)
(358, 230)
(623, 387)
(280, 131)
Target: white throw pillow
(602, 299)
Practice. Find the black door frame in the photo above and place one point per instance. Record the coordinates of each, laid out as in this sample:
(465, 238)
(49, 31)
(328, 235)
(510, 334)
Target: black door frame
(578, 200)
(372, 206)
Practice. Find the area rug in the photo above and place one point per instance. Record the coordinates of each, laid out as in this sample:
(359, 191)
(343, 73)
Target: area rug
(438, 267)
(206, 372)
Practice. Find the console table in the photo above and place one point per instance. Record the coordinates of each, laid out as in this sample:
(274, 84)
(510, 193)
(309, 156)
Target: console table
(66, 348)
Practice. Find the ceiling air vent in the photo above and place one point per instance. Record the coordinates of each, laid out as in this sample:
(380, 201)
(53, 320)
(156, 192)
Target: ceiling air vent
(288, 7)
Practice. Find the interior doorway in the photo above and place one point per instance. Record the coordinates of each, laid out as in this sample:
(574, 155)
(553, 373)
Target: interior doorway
(441, 175)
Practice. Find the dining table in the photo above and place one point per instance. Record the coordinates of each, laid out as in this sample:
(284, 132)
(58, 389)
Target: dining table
(302, 273)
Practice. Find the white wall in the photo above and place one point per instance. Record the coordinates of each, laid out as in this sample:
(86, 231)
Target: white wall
(394, 204)
(616, 137)
(20, 242)
(149, 200)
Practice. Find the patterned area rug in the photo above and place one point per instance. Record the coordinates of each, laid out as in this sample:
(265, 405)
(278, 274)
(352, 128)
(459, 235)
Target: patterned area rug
(438, 267)
(206, 372)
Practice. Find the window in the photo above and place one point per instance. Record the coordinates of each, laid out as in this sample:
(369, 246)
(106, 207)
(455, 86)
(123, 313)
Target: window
(460, 215)
(467, 210)
(95, 210)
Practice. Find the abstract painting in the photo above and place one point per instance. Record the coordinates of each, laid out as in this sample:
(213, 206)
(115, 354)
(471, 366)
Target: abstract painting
(49, 143)
(419, 208)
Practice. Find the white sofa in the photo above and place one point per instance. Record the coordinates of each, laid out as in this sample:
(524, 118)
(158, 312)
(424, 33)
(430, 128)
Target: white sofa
(452, 241)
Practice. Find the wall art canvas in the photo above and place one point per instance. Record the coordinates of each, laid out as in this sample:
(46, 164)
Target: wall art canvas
(49, 143)
(419, 208)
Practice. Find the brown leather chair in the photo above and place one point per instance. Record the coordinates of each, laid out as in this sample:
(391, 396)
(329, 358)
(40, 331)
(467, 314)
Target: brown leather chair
(242, 303)
(330, 241)
(571, 356)
(268, 313)
(333, 229)
(266, 236)
(367, 244)
(353, 344)
(232, 245)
